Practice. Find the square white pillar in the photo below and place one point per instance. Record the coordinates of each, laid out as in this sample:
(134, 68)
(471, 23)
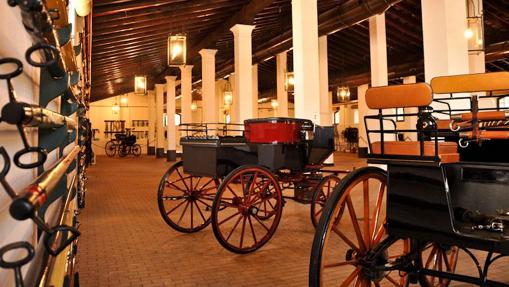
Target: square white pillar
(151, 98)
(160, 147)
(255, 91)
(171, 141)
(306, 59)
(243, 92)
(186, 86)
(282, 94)
(378, 50)
(208, 69)
(410, 122)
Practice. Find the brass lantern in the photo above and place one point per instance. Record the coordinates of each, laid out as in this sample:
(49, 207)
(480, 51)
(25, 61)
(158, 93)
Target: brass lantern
(343, 94)
(274, 104)
(228, 95)
(140, 84)
(177, 50)
(289, 81)
(475, 27)
(194, 106)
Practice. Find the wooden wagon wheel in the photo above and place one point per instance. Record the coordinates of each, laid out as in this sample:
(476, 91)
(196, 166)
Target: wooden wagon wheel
(185, 200)
(351, 229)
(247, 209)
(321, 194)
(440, 258)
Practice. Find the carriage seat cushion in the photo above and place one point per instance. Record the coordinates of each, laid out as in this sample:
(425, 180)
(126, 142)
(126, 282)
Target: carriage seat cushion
(447, 151)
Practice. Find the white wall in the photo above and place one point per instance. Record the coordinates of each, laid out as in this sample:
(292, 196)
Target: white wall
(136, 109)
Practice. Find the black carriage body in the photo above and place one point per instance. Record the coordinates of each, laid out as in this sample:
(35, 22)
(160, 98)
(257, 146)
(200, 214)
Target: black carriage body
(430, 201)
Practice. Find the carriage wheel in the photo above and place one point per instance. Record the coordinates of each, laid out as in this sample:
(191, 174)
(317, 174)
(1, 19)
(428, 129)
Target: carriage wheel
(110, 148)
(185, 200)
(440, 258)
(320, 196)
(123, 150)
(136, 150)
(351, 247)
(247, 209)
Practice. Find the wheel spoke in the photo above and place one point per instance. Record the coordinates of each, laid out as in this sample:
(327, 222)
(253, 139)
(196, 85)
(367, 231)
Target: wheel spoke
(252, 229)
(376, 213)
(229, 217)
(192, 204)
(242, 232)
(259, 221)
(204, 203)
(367, 235)
(339, 264)
(200, 212)
(345, 239)
(351, 277)
(234, 227)
(392, 280)
(178, 205)
(355, 223)
(182, 178)
(183, 212)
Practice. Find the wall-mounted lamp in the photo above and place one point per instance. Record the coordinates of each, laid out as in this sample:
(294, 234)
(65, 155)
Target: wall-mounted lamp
(274, 104)
(343, 94)
(177, 50)
(475, 27)
(140, 85)
(82, 7)
(289, 81)
(228, 95)
(194, 106)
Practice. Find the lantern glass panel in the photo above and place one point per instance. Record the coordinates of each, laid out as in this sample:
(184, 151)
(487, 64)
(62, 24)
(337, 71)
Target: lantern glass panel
(289, 81)
(177, 50)
(475, 34)
(140, 84)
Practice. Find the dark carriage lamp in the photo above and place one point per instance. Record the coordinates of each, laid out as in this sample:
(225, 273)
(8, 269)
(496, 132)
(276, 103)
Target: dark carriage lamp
(228, 95)
(140, 84)
(475, 27)
(289, 81)
(177, 50)
(343, 94)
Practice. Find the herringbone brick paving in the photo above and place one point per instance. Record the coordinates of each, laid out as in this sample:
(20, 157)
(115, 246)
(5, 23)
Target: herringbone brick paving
(125, 242)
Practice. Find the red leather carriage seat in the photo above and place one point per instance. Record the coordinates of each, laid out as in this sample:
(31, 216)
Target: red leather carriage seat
(447, 151)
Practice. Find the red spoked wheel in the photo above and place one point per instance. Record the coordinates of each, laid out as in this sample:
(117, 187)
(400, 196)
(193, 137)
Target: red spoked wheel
(247, 209)
(440, 258)
(320, 196)
(351, 247)
(185, 200)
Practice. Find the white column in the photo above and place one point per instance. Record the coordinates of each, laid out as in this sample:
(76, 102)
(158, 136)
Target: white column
(255, 91)
(171, 149)
(325, 96)
(234, 111)
(151, 123)
(306, 59)
(160, 147)
(411, 121)
(243, 93)
(187, 93)
(282, 94)
(445, 46)
(208, 70)
(378, 50)
(363, 111)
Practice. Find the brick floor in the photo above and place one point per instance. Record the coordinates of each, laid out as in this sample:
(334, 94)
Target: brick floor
(125, 242)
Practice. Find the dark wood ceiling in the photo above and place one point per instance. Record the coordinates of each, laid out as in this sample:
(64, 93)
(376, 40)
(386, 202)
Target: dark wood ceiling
(129, 37)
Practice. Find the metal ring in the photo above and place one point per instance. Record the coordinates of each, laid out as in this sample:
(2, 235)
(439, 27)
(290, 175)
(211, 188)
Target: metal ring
(463, 144)
(74, 233)
(45, 47)
(16, 72)
(42, 155)
(7, 162)
(454, 126)
(20, 262)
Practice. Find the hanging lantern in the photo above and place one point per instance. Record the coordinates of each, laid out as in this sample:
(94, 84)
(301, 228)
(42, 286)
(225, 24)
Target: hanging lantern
(115, 108)
(177, 53)
(123, 101)
(228, 94)
(343, 94)
(274, 104)
(140, 85)
(194, 106)
(82, 7)
(289, 81)
(475, 27)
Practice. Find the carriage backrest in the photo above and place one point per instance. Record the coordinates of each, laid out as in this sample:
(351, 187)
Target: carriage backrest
(471, 83)
(400, 96)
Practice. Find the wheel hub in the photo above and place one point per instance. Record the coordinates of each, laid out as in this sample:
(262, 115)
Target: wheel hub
(374, 269)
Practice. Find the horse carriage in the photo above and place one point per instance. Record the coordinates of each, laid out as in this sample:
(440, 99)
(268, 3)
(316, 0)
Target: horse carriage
(236, 181)
(124, 144)
(442, 202)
